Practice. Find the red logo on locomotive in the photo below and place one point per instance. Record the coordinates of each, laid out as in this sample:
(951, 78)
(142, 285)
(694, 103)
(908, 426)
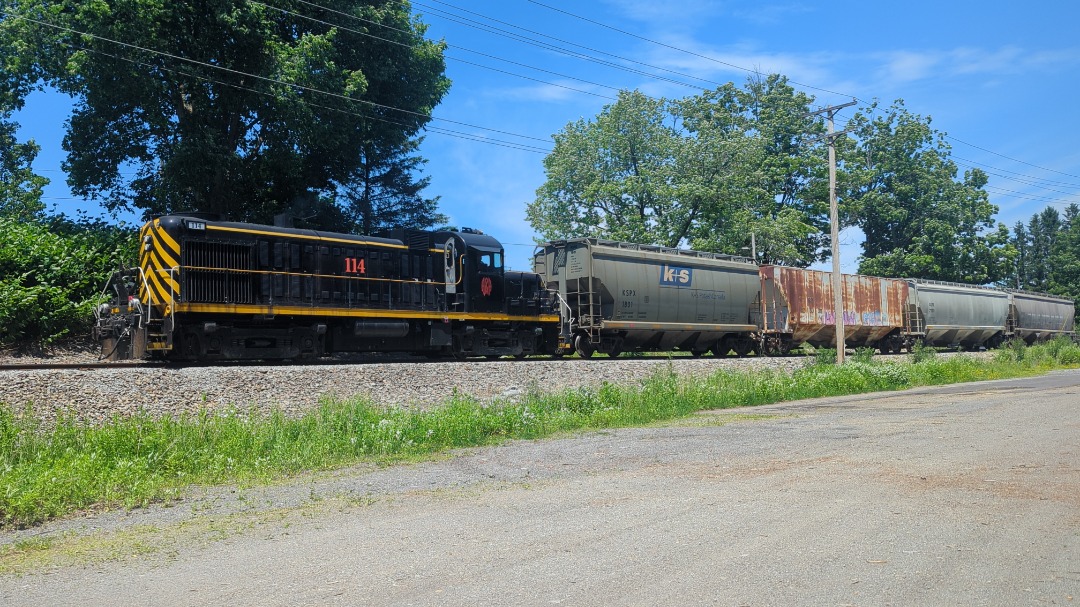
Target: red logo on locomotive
(485, 285)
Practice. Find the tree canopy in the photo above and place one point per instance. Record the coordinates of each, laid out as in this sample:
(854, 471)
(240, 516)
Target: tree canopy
(709, 170)
(229, 106)
(704, 171)
(20, 188)
(1048, 248)
(919, 220)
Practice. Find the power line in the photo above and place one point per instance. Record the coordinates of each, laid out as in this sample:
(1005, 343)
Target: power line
(565, 51)
(1033, 180)
(757, 72)
(1011, 158)
(411, 46)
(272, 80)
(433, 129)
(681, 50)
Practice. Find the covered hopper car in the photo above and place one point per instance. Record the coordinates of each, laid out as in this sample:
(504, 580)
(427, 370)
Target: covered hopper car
(797, 306)
(616, 297)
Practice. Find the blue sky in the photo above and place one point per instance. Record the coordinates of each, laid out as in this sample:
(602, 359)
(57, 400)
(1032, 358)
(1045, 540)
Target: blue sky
(1000, 76)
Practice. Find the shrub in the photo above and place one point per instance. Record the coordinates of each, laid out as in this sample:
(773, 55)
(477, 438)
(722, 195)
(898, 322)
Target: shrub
(52, 273)
(921, 352)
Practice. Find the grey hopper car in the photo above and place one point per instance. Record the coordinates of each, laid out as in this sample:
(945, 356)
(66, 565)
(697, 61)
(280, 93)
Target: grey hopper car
(1035, 317)
(616, 297)
(953, 314)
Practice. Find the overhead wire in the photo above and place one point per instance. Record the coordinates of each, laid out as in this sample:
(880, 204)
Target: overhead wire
(568, 52)
(272, 80)
(434, 129)
(465, 61)
(801, 84)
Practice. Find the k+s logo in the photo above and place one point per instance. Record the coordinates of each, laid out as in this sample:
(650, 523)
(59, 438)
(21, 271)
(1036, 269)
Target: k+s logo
(672, 276)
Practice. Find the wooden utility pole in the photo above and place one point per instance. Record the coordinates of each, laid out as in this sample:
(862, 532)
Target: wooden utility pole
(837, 282)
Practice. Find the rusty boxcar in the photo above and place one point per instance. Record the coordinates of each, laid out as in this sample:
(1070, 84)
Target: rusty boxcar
(797, 306)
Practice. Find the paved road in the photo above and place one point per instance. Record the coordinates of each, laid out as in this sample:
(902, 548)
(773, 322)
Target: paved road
(964, 495)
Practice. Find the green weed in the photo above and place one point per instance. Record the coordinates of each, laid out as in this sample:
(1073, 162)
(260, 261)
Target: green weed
(51, 471)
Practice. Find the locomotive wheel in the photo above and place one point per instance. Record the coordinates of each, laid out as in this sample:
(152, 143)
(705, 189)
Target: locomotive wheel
(457, 349)
(583, 346)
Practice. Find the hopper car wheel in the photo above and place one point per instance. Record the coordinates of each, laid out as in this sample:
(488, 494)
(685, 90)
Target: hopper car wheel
(583, 346)
(743, 346)
(721, 348)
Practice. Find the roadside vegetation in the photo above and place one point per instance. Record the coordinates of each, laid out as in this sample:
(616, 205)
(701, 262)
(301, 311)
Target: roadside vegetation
(49, 471)
(52, 271)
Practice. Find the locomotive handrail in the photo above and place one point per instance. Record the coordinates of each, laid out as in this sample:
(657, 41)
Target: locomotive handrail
(569, 311)
(335, 276)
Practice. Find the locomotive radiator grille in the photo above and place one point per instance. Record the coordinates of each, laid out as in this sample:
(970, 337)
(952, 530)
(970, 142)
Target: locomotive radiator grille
(218, 273)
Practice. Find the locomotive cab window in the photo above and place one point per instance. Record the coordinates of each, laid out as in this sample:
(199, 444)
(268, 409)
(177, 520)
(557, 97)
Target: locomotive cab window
(489, 261)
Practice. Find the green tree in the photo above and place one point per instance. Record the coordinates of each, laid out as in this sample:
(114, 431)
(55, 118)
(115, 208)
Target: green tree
(920, 221)
(51, 275)
(20, 188)
(785, 201)
(707, 171)
(1050, 252)
(1065, 258)
(229, 106)
(613, 177)
(1021, 241)
(384, 194)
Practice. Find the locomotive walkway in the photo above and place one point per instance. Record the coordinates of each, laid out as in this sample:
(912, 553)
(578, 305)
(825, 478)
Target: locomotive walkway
(959, 495)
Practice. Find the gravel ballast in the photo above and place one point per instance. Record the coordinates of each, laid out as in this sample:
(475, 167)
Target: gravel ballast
(98, 394)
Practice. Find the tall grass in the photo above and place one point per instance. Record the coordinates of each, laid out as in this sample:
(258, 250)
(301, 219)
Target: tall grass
(50, 471)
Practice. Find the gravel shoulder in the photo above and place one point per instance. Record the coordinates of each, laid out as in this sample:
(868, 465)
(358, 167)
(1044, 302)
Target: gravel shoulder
(964, 494)
(97, 395)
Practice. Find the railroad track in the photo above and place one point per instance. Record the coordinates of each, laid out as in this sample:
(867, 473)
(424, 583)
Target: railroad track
(80, 366)
(363, 360)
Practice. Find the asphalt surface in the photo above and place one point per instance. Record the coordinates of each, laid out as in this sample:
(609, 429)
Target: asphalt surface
(962, 495)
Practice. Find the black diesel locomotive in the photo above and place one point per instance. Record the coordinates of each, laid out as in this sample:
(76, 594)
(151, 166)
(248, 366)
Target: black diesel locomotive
(207, 289)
